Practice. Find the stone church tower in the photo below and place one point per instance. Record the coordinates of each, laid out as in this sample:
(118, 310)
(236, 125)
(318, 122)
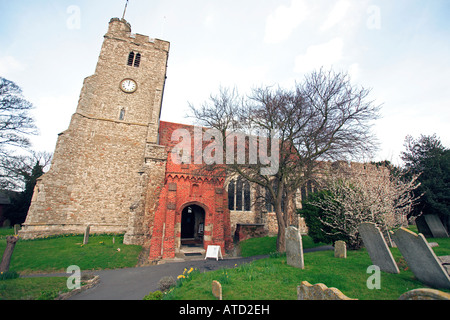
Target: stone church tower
(108, 165)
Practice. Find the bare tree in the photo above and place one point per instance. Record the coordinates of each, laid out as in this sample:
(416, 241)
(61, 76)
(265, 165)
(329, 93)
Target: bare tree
(16, 125)
(15, 121)
(324, 118)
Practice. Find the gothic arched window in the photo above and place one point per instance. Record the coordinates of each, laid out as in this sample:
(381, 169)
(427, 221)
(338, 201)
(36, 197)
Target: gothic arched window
(231, 194)
(239, 196)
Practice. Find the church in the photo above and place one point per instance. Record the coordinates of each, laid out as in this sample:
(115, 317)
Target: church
(111, 168)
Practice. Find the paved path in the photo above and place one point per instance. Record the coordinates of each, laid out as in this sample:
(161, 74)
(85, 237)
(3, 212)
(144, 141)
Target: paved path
(135, 283)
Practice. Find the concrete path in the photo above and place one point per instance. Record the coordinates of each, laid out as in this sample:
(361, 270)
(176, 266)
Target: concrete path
(135, 283)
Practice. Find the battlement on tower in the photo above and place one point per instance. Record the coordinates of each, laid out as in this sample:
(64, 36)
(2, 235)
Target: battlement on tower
(121, 29)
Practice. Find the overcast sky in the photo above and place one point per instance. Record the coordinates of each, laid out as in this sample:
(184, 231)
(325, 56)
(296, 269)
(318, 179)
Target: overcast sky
(399, 48)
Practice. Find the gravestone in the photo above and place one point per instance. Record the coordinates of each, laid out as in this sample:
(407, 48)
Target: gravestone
(6, 258)
(421, 259)
(86, 235)
(436, 227)
(319, 291)
(340, 249)
(422, 227)
(217, 289)
(294, 248)
(16, 229)
(425, 294)
(377, 248)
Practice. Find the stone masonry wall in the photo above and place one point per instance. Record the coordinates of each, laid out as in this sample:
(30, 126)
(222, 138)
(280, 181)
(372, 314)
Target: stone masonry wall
(102, 164)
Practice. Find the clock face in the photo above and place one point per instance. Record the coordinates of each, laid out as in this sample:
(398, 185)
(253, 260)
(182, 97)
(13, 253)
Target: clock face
(128, 86)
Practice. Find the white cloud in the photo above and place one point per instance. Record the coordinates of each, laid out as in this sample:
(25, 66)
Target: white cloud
(325, 55)
(9, 65)
(208, 22)
(336, 15)
(354, 71)
(282, 22)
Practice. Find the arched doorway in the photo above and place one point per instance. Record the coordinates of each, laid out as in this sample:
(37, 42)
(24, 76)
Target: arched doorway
(192, 225)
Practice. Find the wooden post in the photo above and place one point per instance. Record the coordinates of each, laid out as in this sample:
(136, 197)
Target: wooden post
(6, 259)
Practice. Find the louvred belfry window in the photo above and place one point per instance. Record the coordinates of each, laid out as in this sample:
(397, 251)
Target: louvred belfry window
(137, 60)
(134, 60)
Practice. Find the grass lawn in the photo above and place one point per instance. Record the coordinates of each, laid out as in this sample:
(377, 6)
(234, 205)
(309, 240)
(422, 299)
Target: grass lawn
(267, 245)
(55, 254)
(32, 288)
(273, 279)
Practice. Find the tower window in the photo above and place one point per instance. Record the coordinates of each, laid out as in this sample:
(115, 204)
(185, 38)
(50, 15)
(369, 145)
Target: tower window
(130, 58)
(137, 60)
(134, 59)
(122, 114)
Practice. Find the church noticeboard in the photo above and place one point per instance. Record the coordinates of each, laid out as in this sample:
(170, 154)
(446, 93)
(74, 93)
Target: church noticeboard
(213, 252)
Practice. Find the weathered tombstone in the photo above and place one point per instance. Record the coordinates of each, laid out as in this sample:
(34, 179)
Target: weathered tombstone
(294, 248)
(16, 229)
(340, 249)
(217, 289)
(86, 235)
(425, 294)
(422, 226)
(6, 259)
(421, 259)
(319, 291)
(377, 248)
(436, 227)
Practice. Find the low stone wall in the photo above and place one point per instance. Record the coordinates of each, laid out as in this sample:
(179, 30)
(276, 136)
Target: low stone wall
(247, 231)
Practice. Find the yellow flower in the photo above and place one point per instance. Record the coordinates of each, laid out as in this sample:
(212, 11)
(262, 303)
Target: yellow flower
(190, 270)
(181, 276)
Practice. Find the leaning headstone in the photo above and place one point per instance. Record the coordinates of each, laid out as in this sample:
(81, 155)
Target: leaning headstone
(294, 248)
(319, 291)
(421, 259)
(377, 248)
(445, 261)
(86, 235)
(6, 259)
(436, 227)
(340, 249)
(422, 227)
(217, 289)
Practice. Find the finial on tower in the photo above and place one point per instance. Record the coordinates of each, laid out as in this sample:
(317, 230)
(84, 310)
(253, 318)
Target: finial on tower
(125, 10)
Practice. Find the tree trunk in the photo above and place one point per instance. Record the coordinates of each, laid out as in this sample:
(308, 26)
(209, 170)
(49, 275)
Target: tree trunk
(281, 241)
(6, 259)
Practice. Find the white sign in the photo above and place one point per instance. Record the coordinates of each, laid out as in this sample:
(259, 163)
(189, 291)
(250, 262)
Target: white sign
(213, 252)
